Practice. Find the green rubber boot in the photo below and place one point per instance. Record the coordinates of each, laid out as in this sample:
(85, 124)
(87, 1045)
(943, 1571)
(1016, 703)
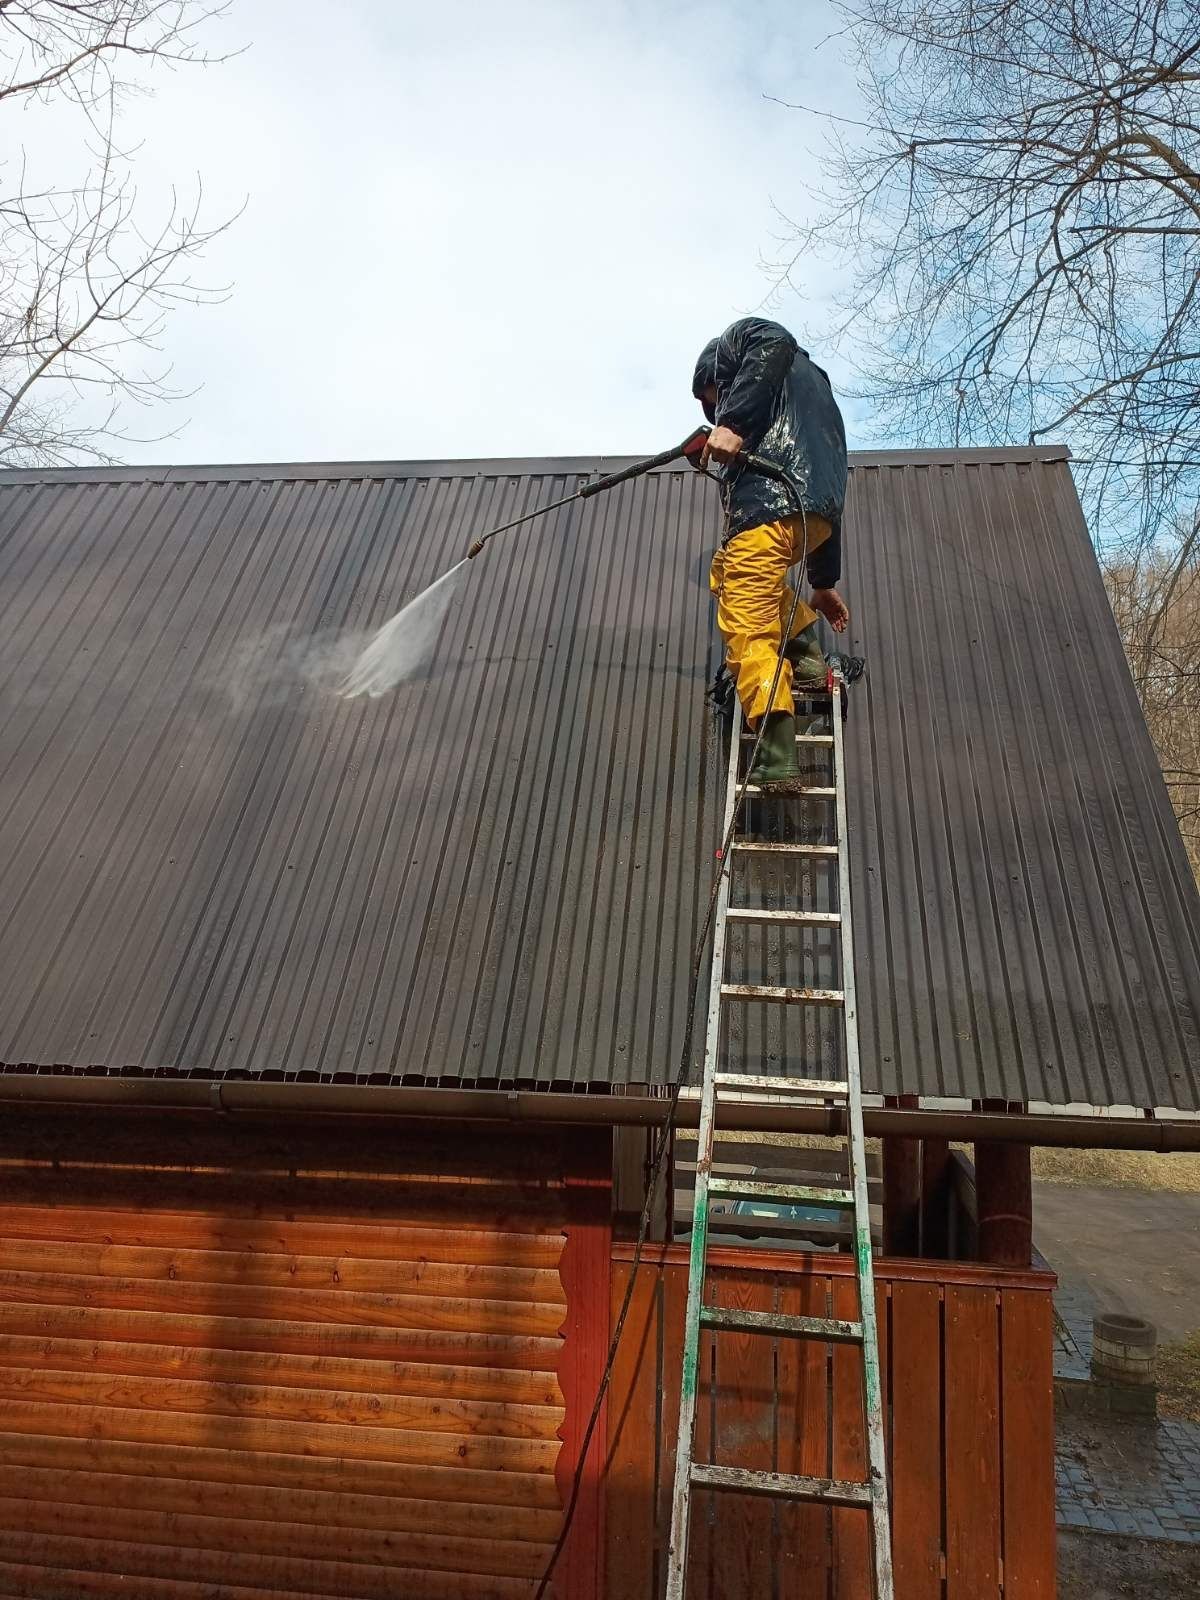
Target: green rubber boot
(775, 766)
(804, 652)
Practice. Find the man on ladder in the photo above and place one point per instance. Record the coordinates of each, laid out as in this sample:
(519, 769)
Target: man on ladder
(765, 396)
(783, 503)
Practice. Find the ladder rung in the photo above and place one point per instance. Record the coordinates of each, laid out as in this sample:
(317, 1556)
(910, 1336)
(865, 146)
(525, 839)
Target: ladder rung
(785, 1193)
(746, 1080)
(830, 1329)
(780, 996)
(781, 1485)
(751, 791)
(754, 846)
(735, 1225)
(815, 919)
(801, 738)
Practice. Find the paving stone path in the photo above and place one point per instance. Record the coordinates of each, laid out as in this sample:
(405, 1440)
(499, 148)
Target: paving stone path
(1115, 1476)
(1122, 1477)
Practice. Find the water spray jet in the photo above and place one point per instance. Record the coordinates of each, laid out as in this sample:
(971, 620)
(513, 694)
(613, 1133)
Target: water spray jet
(406, 642)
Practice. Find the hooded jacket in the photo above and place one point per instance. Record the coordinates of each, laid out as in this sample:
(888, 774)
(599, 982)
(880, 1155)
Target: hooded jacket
(782, 405)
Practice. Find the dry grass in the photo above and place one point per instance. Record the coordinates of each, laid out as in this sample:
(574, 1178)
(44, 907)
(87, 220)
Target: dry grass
(1179, 1379)
(1108, 1169)
(1119, 1169)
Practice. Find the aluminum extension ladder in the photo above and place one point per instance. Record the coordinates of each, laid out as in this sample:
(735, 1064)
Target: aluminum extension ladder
(871, 1495)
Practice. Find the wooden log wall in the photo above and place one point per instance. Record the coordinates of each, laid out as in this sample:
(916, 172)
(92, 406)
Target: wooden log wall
(240, 1359)
(966, 1356)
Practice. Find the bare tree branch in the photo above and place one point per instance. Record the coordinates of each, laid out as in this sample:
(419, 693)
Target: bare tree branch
(58, 47)
(85, 286)
(1019, 202)
(1020, 205)
(1156, 601)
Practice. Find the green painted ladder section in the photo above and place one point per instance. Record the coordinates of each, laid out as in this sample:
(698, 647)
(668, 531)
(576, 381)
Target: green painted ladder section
(870, 1495)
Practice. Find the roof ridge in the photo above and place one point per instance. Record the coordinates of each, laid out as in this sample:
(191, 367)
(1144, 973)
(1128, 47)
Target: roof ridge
(483, 466)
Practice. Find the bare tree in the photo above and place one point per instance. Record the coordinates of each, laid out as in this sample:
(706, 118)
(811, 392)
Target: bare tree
(80, 47)
(85, 283)
(1020, 205)
(1156, 601)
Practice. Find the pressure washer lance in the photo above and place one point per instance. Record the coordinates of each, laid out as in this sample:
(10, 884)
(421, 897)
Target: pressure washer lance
(692, 447)
(404, 644)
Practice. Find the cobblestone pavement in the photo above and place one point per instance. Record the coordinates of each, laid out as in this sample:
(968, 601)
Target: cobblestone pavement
(1074, 1308)
(1115, 1476)
(1121, 1477)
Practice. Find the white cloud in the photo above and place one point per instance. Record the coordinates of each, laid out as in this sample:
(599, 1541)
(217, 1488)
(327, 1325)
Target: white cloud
(475, 229)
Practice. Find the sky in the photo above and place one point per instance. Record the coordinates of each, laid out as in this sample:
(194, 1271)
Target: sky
(473, 229)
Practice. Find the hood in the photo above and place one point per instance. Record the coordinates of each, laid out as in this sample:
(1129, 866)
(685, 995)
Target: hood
(705, 373)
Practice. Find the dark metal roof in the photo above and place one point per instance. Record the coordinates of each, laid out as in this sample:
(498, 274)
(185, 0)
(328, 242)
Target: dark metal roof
(209, 864)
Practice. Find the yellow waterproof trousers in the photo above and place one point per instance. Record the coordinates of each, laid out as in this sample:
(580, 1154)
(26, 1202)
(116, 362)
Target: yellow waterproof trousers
(748, 577)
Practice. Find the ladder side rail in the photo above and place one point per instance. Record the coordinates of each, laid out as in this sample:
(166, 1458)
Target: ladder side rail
(876, 1448)
(677, 1549)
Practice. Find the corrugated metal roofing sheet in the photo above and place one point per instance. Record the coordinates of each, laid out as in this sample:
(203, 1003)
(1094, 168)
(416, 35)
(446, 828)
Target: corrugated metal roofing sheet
(209, 864)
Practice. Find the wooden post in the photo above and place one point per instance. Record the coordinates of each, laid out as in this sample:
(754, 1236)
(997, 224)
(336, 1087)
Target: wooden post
(1004, 1194)
(936, 1199)
(901, 1188)
(585, 1269)
(633, 1154)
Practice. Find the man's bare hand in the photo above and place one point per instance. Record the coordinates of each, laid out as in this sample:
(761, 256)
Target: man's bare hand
(832, 607)
(723, 446)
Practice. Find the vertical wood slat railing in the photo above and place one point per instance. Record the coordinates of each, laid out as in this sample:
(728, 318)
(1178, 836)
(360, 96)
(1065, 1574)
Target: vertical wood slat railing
(966, 1354)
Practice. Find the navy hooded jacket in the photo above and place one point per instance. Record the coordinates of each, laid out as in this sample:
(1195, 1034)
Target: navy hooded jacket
(782, 405)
